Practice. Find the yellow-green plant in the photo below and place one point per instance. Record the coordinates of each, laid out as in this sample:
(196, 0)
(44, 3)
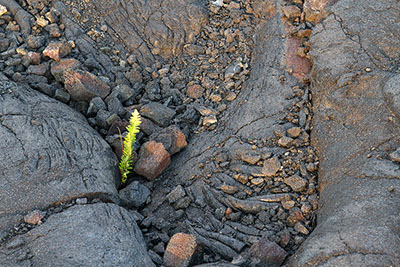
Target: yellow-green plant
(125, 165)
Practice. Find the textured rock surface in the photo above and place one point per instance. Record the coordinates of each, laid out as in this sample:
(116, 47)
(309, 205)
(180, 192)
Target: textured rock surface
(49, 154)
(88, 235)
(355, 54)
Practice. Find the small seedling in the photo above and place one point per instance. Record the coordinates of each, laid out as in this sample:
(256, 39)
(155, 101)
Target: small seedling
(125, 165)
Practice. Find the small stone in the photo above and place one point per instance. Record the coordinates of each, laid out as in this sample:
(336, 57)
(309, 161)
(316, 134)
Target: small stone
(95, 105)
(3, 10)
(158, 113)
(257, 181)
(81, 201)
(288, 204)
(31, 58)
(134, 195)
(229, 189)
(311, 167)
(53, 30)
(34, 217)
(215, 98)
(295, 215)
(4, 44)
(294, 132)
(271, 167)
(295, 182)
(42, 22)
(180, 250)
(291, 12)
(182, 203)
(250, 157)
(285, 141)
(368, 69)
(102, 118)
(83, 86)
(232, 70)
(152, 160)
(395, 156)
(172, 138)
(267, 253)
(299, 227)
(306, 208)
(193, 50)
(57, 50)
(40, 69)
(62, 95)
(176, 194)
(195, 91)
(57, 68)
(209, 120)
(124, 92)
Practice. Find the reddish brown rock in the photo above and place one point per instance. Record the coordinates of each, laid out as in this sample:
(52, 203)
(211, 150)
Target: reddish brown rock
(57, 68)
(195, 91)
(34, 217)
(83, 86)
(295, 215)
(267, 253)
(314, 10)
(291, 12)
(172, 138)
(299, 66)
(57, 50)
(180, 250)
(152, 160)
(294, 132)
(33, 58)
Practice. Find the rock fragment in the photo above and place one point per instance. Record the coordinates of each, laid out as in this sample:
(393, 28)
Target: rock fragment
(58, 68)
(180, 250)
(158, 113)
(83, 85)
(57, 50)
(152, 160)
(134, 195)
(271, 167)
(295, 182)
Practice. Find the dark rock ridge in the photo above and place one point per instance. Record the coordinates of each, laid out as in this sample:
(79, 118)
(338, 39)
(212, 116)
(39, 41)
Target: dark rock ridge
(84, 235)
(356, 127)
(49, 154)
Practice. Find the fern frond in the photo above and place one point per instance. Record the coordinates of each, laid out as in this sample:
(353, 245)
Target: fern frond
(127, 150)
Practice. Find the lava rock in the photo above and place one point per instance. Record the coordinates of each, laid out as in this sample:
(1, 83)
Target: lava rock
(172, 138)
(57, 68)
(134, 195)
(57, 50)
(180, 250)
(152, 160)
(158, 113)
(83, 86)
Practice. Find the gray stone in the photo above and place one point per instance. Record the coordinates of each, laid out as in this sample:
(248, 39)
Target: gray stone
(176, 194)
(84, 235)
(95, 105)
(62, 95)
(35, 42)
(125, 92)
(49, 154)
(102, 118)
(158, 113)
(114, 105)
(134, 195)
(271, 167)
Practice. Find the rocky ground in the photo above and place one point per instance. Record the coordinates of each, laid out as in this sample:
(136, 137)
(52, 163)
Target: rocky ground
(234, 97)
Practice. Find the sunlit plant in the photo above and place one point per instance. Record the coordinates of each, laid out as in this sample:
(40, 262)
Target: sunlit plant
(125, 164)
